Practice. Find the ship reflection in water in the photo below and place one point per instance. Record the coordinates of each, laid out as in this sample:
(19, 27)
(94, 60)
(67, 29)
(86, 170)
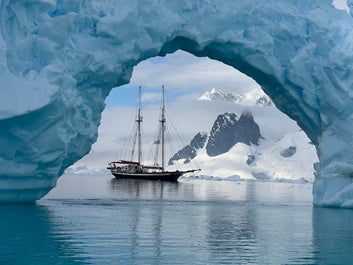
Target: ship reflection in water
(149, 189)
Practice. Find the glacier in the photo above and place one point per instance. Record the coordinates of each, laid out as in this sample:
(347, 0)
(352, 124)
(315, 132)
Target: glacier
(60, 59)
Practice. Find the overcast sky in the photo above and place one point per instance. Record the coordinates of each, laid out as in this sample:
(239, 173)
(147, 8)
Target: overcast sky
(182, 74)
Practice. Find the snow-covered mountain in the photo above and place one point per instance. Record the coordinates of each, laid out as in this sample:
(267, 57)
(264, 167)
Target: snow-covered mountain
(252, 97)
(226, 131)
(234, 148)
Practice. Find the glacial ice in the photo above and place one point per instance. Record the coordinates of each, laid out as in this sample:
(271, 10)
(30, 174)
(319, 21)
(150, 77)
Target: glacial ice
(59, 60)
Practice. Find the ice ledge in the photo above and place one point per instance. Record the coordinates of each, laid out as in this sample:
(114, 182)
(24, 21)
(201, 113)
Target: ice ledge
(24, 190)
(21, 96)
(333, 192)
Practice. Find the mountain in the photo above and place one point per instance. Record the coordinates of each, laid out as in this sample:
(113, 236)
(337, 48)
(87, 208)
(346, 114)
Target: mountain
(216, 94)
(262, 143)
(227, 131)
(190, 151)
(252, 97)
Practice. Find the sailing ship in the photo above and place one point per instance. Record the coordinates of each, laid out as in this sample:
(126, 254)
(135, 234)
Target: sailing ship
(130, 169)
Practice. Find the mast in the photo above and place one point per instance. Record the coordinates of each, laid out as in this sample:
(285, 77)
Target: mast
(162, 121)
(139, 121)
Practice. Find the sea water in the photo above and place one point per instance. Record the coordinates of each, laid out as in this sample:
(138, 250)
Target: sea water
(102, 220)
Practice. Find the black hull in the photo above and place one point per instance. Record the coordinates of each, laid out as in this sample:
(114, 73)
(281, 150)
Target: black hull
(162, 176)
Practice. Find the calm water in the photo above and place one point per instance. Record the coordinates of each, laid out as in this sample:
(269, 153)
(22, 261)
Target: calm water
(100, 220)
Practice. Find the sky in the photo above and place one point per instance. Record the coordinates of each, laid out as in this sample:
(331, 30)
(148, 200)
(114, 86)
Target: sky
(182, 74)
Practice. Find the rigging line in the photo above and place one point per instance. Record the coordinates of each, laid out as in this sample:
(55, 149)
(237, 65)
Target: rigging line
(172, 149)
(145, 146)
(124, 149)
(176, 127)
(133, 146)
(157, 142)
(171, 143)
(139, 126)
(174, 124)
(160, 130)
(192, 161)
(150, 145)
(172, 120)
(182, 141)
(135, 133)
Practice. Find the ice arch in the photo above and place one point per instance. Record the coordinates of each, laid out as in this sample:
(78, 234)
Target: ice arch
(59, 60)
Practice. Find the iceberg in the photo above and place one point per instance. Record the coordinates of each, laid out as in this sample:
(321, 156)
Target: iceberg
(60, 59)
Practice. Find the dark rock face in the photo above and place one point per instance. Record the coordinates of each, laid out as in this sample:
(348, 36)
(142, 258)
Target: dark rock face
(190, 151)
(198, 142)
(263, 101)
(288, 152)
(251, 159)
(227, 131)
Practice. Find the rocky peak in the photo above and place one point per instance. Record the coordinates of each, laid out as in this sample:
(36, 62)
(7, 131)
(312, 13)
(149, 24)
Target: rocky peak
(190, 151)
(227, 130)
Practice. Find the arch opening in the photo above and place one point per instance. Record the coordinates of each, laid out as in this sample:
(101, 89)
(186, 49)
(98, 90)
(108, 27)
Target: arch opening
(191, 82)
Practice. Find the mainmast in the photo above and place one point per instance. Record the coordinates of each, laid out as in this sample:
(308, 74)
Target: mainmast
(139, 121)
(162, 121)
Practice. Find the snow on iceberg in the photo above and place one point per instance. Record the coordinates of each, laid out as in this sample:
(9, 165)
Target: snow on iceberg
(59, 60)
